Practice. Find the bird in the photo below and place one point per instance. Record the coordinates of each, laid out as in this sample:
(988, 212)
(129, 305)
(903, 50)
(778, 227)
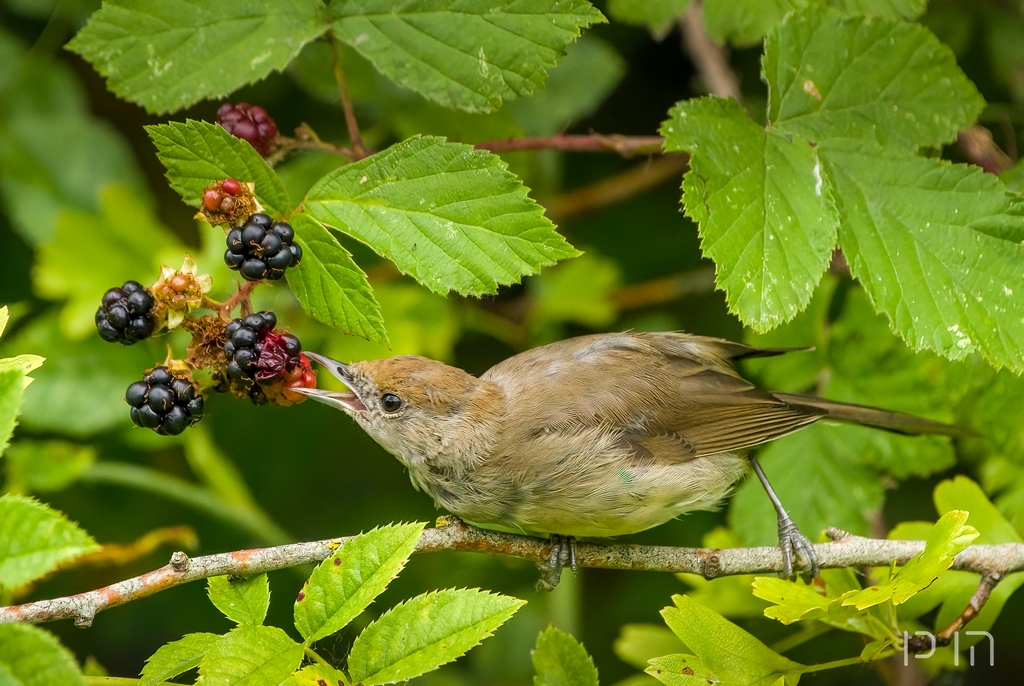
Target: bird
(595, 436)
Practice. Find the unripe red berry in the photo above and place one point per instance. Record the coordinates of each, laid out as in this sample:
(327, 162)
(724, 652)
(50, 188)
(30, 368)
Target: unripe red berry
(231, 187)
(211, 200)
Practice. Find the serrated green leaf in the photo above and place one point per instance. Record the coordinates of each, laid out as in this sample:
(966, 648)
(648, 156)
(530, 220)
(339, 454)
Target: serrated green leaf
(93, 251)
(451, 216)
(886, 9)
(657, 15)
(887, 81)
(561, 660)
(168, 54)
(793, 601)
(12, 389)
(724, 651)
(316, 675)
(330, 286)
(938, 248)
(343, 585)
(40, 466)
(468, 55)
(819, 480)
(35, 539)
(250, 655)
(197, 153)
(176, 657)
(949, 537)
(426, 632)
(30, 656)
(745, 22)
(763, 206)
(244, 601)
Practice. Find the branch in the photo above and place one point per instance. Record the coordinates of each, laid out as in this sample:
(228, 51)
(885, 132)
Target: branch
(976, 144)
(708, 57)
(627, 146)
(919, 644)
(619, 187)
(846, 550)
(346, 102)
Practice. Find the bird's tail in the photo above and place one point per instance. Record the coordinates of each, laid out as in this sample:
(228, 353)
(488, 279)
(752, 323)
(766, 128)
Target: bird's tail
(873, 416)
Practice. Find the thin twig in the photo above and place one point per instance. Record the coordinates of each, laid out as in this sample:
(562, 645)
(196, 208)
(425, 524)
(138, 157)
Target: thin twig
(619, 187)
(699, 281)
(627, 146)
(241, 297)
(976, 144)
(708, 57)
(346, 102)
(846, 550)
(989, 580)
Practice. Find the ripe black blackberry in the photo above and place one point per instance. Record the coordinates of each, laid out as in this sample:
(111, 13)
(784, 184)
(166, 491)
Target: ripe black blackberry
(163, 402)
(261, 249)
(250, 123)
(125, 314)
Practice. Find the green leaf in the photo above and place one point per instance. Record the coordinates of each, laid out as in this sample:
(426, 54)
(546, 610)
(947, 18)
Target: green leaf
(35, 540)
(723, 649)
(657, 15)
(638, 644)
(40, 466)
(451, 216)
(561, 660)
(316, 675)
(818, 478)
(426, 632)
(92, 251)
(176, 657)
(343, 585)
(30, 656)
(12, 388)
(250, 655)
(763, 206)
(197, 153)
(682, 670)
(949, 537)
(168, 55)
(886, 9)
(885, 81)
(468, 55)
(330, 286)
(745, 22)
(244, 601)
(937, 246)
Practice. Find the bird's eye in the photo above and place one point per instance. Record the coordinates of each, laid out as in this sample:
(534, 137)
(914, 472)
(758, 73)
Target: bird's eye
(390, 402)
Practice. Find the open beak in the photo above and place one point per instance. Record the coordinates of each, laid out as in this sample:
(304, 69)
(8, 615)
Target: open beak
(345, 400)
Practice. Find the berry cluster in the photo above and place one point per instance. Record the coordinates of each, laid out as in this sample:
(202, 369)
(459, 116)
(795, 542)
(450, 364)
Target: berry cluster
(265, 360)
(249, 123)
(163, 402)
(222, 200)
(125, 314)
(261, 249)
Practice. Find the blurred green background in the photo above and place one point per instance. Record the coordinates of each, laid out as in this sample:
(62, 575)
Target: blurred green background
(82, 190)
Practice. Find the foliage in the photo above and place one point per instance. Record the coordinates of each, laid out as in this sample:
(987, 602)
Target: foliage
(838, 205)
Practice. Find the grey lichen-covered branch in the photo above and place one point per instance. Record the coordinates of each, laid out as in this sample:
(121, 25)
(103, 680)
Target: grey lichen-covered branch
(845, 550)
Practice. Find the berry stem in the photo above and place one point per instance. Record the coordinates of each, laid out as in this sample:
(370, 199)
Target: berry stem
(627, 146)
(307, 139)
(241, 297)
(346, 103)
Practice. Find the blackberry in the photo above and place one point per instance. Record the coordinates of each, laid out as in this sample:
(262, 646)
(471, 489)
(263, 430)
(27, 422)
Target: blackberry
(163, 402)
(261, 249)
(249, 123)
(125, 314)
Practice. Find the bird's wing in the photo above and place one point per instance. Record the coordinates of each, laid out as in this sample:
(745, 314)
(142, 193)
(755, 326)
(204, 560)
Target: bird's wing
(673, 396)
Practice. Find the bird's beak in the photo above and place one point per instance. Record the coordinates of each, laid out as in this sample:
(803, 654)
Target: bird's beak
(347, 400)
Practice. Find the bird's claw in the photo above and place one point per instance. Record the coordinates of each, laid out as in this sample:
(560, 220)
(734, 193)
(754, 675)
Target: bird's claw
(793, 544)
(563, 552)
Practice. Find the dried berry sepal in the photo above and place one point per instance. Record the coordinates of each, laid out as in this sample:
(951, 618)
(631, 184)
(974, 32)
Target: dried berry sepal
(228, 202)
(178, 292)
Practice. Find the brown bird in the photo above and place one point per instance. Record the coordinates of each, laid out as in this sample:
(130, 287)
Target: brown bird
(593, 436)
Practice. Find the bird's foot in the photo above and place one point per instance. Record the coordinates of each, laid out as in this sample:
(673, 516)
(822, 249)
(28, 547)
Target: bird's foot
(563, 552)
(794, 544)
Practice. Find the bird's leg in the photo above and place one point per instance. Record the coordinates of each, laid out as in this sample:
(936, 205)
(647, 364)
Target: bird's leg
(791, 541)
(563, 552)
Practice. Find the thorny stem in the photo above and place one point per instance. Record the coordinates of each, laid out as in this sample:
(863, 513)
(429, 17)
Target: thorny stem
(708, 57)
(346, 103)
(241, 297)
(846, 550)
